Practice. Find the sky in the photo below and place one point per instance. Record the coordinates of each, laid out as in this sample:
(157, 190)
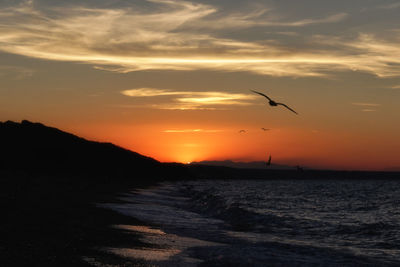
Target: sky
(172, 79)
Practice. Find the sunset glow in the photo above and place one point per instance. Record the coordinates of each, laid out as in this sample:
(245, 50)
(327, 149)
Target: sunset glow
(172, 79)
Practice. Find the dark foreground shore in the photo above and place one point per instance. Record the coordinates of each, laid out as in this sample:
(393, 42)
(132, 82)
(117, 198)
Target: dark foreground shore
(51, 221)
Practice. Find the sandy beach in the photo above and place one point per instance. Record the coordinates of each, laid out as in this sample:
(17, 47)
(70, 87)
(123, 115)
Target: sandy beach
(55, 222)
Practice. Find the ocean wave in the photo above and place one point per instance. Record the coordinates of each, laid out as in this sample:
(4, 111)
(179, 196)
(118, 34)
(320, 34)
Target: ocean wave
(242, 218)
(276, 222)
(365, 229)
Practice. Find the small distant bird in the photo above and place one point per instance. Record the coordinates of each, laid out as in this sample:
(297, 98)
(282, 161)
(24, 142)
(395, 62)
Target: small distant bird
(265, 129)
(273, 103)
(269, 161)
(242, 131)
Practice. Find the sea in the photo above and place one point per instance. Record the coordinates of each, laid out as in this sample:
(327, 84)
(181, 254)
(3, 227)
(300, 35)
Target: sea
(291, 222)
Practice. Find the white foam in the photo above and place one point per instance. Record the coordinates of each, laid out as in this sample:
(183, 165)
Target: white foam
(160, 206)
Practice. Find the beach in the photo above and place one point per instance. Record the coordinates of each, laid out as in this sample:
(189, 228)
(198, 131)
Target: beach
(52, 220)
(87, 220)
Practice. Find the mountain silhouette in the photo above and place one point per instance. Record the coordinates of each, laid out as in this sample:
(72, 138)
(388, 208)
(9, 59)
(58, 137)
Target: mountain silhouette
(34, 146)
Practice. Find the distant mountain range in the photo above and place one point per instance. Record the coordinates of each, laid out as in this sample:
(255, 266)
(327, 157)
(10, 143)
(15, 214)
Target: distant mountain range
(245, 165)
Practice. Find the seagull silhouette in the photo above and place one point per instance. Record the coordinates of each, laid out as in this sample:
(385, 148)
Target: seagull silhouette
(273, 103)
(242, 131)
(264, 129)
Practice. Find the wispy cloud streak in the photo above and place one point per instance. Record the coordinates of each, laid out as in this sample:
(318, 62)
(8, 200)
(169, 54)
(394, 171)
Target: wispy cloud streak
(390, 6)
(181, 35)
(191, 99)
(16, 72)
(366, 104)
(192, 131)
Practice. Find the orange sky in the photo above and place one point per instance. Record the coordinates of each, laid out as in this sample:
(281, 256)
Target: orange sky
(172, 79)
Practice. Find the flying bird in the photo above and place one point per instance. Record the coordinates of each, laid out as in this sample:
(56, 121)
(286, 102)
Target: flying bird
(273, 103)
(242, 131)
(264, 129)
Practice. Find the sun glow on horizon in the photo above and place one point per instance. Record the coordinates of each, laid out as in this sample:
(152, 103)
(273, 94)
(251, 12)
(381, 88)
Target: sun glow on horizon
(289, 146)
(172, 80)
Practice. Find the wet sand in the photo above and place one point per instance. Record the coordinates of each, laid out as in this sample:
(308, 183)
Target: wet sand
(54, 221)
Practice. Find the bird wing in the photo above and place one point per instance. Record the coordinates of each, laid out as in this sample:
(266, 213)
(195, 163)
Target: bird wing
(286, 107)
(262, 95)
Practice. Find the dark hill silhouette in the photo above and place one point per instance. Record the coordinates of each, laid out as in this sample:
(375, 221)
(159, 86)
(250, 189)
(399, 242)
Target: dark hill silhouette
(36, 147)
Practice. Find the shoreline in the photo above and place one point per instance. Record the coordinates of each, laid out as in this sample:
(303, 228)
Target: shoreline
(55, 222)
(166, 245)
(54, 219)
(186, 235)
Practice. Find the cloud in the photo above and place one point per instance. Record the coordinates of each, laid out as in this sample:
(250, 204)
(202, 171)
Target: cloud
(366, 104)
(287, 33)
(214, 99)
(184, 36)
(192, 131)
(183, 106)
(16, 72)
(260, 17)
(390, 6)
(368, 107)
(142, 92)
(330, 19)
(191, 99)
(366, 53)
